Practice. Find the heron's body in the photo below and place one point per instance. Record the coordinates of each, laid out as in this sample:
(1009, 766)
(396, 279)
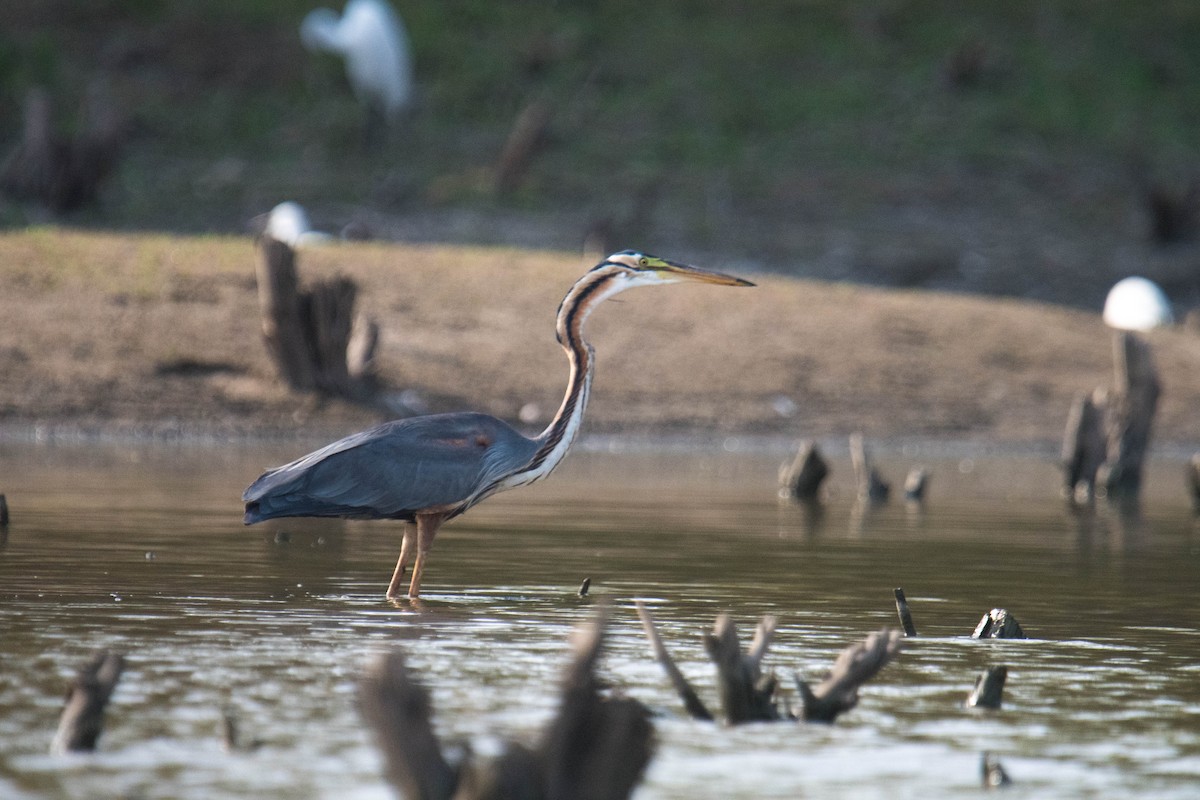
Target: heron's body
(429, 469)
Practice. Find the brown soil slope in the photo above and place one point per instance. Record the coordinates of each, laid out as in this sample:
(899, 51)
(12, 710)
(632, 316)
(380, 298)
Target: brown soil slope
(151, 332)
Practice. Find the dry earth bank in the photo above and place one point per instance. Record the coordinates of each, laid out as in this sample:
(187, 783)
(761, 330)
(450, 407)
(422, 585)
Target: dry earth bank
(154, 332)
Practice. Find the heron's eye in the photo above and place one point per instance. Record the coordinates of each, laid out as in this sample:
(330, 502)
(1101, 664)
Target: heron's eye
(643, 262)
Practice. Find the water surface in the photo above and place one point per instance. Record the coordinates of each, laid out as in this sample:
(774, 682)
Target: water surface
(142, 550)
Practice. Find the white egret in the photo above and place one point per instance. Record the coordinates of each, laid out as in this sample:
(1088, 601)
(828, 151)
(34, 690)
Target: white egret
(288, 223)
(371, 39)
(1137, 304)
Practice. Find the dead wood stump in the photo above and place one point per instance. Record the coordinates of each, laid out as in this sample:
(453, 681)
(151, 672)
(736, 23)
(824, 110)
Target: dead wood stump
(872, 488)
(59, 172)
(595, 748)
(998, 624)
(1131, 416)
(1193, 482)
(803, 478)
(992, 772)
(747, 695)
(989, 688)
(854, 666)
(906, 620)
(527, 135)
(1085, 447)
(313, 336)
(82, 719)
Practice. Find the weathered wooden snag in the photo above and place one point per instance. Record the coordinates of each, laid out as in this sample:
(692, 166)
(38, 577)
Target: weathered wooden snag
(906, 620)
(1131, 415)
(1193, 481)
(749, 696)
(856, 665)
(313, 336)
(527, 135)
(58, 172)
(803, 478)
(1085, 446)
(872, 487)
(691, 701)
(594, 749)
(992, 772)
(989, 688)
(998, 624)
(584, 587)
(82, 719)
(915, 485)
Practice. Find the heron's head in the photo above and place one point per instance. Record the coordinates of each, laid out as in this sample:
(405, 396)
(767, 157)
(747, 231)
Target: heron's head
(642, 269)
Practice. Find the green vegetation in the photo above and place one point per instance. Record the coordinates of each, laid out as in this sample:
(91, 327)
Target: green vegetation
(743, 101)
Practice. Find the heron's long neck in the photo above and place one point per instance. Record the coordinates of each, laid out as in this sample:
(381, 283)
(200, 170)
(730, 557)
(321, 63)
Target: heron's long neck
(554, 442)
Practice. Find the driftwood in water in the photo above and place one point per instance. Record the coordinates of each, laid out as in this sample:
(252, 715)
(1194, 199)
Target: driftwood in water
(527, 135)
(856, 665)
(313, 337)
(594, 749)
(802, 479)
(82, 719)
(872, 487)
(584, 587)
(989, 688)
(915, 485)
(1193, 481)
(691, 701)
(998, 624)
(1085, 447)
(58, 172)
(1131, 415)
(992, 772)
(747, 695)
(3, 511)
(906, 620)
(232, 735)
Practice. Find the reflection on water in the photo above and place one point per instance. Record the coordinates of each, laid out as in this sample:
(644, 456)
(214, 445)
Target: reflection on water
(143, 551)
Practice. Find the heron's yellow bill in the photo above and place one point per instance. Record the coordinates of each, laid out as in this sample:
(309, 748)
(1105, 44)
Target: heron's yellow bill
(672, 270)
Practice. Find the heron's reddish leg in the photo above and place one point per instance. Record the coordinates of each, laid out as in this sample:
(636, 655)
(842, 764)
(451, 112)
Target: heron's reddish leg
(427, 528)
(406, 551)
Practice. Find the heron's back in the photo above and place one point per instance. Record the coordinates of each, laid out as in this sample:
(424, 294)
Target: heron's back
(394, 471)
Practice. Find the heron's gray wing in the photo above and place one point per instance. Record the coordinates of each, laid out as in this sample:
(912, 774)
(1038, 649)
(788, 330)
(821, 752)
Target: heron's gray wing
(393, 470)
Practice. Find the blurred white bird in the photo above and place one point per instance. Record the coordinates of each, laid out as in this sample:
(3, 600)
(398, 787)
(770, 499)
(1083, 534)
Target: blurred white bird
(288, 223)
(371, 39)
(1136, 304)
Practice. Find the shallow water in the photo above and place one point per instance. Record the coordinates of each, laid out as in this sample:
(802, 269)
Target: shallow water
(142, 550)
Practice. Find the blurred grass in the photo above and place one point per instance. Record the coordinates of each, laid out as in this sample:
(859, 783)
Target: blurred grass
(690, 98)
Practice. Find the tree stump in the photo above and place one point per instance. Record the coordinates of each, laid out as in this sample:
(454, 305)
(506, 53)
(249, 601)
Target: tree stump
(595, 748)
(1085, 447)
(906, 620)
(802, 480)
(527, 135)
(58, 172)
(311, 334)
(747, 695)
(82, 719)
(854, 666)
(989, 688)
(872, 488)
(1131, 416)
(998, 624)
(1193, 482)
